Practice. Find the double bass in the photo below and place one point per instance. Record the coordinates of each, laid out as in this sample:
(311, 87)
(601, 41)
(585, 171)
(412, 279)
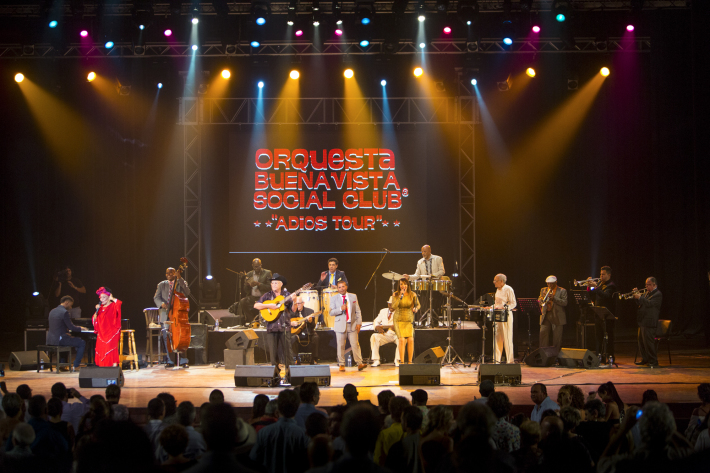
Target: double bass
(179, 316)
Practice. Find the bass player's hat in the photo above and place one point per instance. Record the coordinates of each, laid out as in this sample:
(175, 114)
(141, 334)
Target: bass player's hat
(278, 277)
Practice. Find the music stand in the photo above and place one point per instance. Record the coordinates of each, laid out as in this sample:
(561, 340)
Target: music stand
(604, 314)
(529, 306)
(581, 298)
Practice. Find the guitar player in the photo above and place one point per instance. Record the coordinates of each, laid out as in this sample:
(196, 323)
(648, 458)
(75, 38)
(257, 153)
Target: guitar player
(307, 340)
(279, 351)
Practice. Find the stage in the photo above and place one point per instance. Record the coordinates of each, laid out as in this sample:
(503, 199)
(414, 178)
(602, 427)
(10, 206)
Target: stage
(675, 384)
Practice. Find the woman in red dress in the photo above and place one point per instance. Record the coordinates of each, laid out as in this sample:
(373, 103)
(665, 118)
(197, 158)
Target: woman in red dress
(107, 325)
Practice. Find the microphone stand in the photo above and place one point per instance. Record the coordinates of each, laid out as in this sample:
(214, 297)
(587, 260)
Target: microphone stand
(374, 273)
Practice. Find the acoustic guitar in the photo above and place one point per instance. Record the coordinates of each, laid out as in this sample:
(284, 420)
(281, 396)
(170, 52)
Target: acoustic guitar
(302, 322)
(272, 314)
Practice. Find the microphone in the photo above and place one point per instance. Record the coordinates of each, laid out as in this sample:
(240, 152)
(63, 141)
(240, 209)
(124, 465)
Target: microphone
(401, 296)
(386, 250)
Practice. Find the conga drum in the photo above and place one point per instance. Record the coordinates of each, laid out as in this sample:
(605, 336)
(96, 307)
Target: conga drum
(325, 304)
(310, 300)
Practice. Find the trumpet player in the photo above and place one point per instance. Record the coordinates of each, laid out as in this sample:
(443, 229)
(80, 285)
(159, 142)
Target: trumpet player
(552, 300)
(602, 293)
(649, 309)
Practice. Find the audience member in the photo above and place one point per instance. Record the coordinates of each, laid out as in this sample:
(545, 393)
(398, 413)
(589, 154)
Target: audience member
(246, 439)
(156, 413)
(282, 447)
(559, 453)
(173, 441)
(258, 407)
(63, 428)
(350, 394)
(485, 389)
(595, 430)
(403, 456)
(316, 424)
(115, 447)
(648, 395)
(393, 434)
(419, 399)
(185, 415)
(439, 419)
(23, 436)
(383, 405)
(14, 408)
(615, 407)
(538, 394)
(571, 418)
(310, 395)
(25, 393)
(505, 435)
(72, 412)
(335, 419)
(113, 394)
(271, 415)
(217, 396)
(320, 451)
(99, 410)
(699, 414)
(529, 456)
(571, 395)
(170, 416)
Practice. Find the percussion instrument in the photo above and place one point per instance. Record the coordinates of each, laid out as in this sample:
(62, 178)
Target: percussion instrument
(392, 276)
(325, 304)
(441, 285)
(311, 300)
(420, 285)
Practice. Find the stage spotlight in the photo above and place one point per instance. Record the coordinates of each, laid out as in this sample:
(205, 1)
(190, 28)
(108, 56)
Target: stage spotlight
(261, 21)
(572, 83)
(422, 45)
(19, 77)
(108, 44)
(299, 33)
(194, 47)
(530, 72)
(348, 73)
(35, 293)
(467, 11)
(195, 20)
(474, 82)
(168, 32)
(226, 74)
(339, 21)
(365, 12)
(508, 40)
(294, 74)
(160, 85)
(255, 44)
(536, 29)
(291, 18)
(83, 33)
(316, 21)
(91, 76)
(559, 10)
(604, 71)
(53, 24)
(383, 82)
(365, 21)
(203, 88)
(364, 43)
(260, 84)
(629, 28)
(259, 12)
(560, 17)
(505, 85)
(339, 32)
(208, 277)
(447, 30)
(421, 17)
(418, 71)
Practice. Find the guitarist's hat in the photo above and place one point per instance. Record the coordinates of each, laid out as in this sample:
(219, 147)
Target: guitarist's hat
(278, 277)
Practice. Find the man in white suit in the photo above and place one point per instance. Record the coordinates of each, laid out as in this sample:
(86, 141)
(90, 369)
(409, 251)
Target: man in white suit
(348, 321)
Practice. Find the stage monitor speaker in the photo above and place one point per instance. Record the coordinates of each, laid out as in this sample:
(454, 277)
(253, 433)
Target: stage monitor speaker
(242, 340)
(234, 358)
(319, 374)
(422, 374)
(577, 358)
(198, 336)
(500, 374)
(543, 356)
(26, 360)
(100, 376)
(254, 376)
(432, 355)
(231, 321)
(197, 356)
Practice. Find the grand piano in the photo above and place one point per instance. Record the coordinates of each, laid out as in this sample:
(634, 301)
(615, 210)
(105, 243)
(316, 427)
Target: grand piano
(89, 336)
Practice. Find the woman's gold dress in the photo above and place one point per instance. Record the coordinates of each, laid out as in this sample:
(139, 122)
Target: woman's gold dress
(403, 314)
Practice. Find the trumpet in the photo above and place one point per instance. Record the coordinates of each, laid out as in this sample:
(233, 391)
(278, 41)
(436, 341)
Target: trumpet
(546, 299)
(631, 294)
(585, 282)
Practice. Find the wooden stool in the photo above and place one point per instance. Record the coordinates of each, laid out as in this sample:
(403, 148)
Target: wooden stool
(51, 351)
(132, 356)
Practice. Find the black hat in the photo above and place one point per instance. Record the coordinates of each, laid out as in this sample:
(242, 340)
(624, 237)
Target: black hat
(278, 277)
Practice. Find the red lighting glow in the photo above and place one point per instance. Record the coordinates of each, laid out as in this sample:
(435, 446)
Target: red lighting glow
(629, 28)
(536, 29)
(84, 33)
(447, 30)
(168, 32)
(338, 32)
(299, 32)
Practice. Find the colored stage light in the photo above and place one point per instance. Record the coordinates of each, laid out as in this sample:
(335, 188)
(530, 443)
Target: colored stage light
(255, 44)
(365, 21)
(364, 43)
(108, 44)
(421, 17)
(194, 47)
(160, 85)
(83, 33)
(299, 32)
(208, 277)
(530, 71)
(422, 45)
(629, 28)
(339, 21)
(91, 76)
(141, 27)
(260, 84)
(418, 71)
(474, 82)
(261, 21)
(195, 20)
(604, 71)
(560, 17)
(168, 32)
(348, 73)
(316, 23)
(226, 74)
(35, 293)
(53, 24)
(339, 32)
(383, 82)
(536, 29)
(294, 74)
(508, 41)
(19, 77)
(447, 30)
(289, 22)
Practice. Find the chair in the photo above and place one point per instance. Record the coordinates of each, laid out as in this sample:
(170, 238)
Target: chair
(663, 333)
(132, 356)
(52, 350)
(153, 331)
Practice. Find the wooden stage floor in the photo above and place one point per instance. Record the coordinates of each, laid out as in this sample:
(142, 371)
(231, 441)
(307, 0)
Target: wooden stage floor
(675, 384)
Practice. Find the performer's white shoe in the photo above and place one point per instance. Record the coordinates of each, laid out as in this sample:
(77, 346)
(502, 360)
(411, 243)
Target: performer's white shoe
(375, 363)
(396, 363)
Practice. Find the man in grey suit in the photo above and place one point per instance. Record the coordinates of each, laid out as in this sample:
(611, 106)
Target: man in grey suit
(348, 321)
(553, 300)
(162, 301)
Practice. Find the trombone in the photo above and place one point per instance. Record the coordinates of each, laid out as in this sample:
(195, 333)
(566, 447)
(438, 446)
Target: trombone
(585, 282)
(631, 294)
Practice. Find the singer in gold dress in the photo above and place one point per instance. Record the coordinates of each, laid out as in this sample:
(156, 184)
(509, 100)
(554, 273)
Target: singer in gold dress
(405, 304)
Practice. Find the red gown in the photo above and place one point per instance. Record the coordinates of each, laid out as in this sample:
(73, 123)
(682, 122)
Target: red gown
(107, 325)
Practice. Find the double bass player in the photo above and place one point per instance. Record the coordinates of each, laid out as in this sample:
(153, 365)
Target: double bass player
(174, 283)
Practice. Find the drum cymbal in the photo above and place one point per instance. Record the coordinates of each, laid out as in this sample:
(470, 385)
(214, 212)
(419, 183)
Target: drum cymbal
(392, 276)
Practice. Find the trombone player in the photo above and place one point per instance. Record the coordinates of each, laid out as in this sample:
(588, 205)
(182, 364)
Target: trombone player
(649, 309)
(552, 300)
(602, 292)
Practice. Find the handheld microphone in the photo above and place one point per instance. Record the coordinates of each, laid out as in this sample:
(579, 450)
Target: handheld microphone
(401, 296)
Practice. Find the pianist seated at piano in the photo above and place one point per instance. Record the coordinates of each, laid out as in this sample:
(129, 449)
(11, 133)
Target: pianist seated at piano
(60, 325)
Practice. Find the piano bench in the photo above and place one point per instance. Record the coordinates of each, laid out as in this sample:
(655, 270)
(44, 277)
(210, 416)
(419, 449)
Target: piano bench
(52, 350)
